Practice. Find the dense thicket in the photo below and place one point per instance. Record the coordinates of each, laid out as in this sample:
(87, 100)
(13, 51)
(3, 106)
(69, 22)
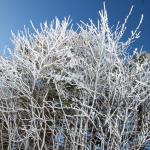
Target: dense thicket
(74, 90)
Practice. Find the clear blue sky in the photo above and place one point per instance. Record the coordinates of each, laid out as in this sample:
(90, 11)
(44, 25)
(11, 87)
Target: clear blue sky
(14, 14)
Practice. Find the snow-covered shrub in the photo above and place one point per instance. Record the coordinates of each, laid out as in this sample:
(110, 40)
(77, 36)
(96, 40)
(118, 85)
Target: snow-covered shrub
(74, 90)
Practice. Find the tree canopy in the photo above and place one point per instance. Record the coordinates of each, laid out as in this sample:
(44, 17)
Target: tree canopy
(74, 90)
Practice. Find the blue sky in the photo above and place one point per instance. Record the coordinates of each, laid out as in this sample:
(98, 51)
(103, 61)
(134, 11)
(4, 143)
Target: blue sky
(14, 14)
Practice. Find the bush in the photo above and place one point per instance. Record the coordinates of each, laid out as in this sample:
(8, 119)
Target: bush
(67, 89)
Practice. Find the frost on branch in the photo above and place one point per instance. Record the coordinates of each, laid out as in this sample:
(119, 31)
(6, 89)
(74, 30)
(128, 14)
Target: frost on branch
(74, 90)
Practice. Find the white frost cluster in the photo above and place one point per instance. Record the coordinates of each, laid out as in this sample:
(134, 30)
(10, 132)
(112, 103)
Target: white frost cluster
(80, 85)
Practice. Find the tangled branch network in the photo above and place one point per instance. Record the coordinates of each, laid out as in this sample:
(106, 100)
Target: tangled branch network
(62, 89)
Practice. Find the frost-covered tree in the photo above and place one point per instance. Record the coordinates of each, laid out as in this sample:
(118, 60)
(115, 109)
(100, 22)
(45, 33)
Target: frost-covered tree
(74, 90)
